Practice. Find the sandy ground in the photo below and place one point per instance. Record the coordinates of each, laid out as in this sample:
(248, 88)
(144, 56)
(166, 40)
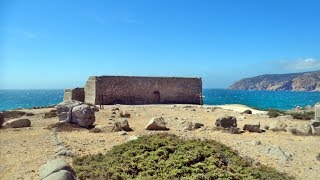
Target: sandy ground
(24, 150)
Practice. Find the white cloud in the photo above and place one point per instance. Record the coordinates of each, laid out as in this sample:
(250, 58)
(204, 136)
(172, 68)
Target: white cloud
(302, 64)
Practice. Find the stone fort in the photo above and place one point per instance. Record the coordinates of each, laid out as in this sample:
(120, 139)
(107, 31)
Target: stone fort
(107, 90)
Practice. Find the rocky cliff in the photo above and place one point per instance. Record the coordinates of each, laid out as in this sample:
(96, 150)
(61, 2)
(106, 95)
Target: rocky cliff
(306, 81)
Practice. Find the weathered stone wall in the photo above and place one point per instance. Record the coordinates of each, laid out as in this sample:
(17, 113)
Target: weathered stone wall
(90, 90)
(143, 90)
(74, 94)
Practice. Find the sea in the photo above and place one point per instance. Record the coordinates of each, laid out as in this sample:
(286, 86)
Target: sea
(284, 100)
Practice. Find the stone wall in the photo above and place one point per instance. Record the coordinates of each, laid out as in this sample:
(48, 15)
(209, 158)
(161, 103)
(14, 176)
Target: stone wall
(74, 94)
(143, 90)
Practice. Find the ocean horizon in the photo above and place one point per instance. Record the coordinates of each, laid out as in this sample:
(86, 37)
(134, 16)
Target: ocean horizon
(284, 100)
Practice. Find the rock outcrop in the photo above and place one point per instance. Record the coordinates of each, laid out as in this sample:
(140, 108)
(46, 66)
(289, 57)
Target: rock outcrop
(307, 81)
(18, 123)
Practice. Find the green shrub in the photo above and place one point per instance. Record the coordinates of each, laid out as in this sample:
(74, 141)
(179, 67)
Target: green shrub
(273, 113)
(165, 156)
(302, 115)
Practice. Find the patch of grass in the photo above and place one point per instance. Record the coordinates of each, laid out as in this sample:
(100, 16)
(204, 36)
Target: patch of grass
(29, 114)
(51, 114)
(63, 126)
(165, 156)
(273, 113)
(278, 129)
(296, 132)
(305, 115)
(13, 114)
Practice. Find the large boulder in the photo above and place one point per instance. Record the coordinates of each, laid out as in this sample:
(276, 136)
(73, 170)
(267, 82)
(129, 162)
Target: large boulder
(157, 124)
(315, 127)
(226, 122)
(64, 110)
(121, 125)
(1, 118)
(83, 115)
(54, 166)
(18, 123)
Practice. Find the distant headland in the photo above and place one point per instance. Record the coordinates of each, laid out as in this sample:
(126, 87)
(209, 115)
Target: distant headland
(305, 81)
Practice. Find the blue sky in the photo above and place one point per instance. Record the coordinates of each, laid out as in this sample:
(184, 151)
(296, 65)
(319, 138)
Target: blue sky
(59, 43)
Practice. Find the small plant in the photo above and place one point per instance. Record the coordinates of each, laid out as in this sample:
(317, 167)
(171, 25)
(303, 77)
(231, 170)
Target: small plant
(13, 114)
(51, 114)
(248, 111)
(318, 157)
(64, 126)
(29, 114)
(302, 115)
(273, 113)
(266, 127)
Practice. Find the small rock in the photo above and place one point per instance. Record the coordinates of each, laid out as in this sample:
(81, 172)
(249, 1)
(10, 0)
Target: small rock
(121, 125)
(18, 123)
(252, 128)
(124, 114)
(103, 128)
(132, 138)
(187, 125)
(278, 126)
(115, 109)
(157, 124)
(255, 142)
(122, 133)
(113, 112)
(226, 122)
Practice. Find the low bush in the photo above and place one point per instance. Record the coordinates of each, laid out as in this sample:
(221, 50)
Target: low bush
(63, 126)
(13, 114)
(273, 113)
(248, 111)
(302, 115)
(51, 114)
(165, 156)
(29, 114)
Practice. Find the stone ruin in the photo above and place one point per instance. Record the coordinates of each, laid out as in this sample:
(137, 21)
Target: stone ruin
(108, 90)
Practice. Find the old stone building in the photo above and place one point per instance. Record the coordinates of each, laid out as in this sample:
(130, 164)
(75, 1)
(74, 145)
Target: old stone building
(138, 90)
